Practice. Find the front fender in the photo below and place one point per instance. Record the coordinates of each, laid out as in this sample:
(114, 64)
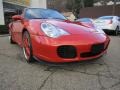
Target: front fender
(34, 28)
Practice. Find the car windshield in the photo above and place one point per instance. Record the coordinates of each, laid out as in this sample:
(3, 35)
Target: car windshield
(43, 14)
(106, 17)
(85, 20)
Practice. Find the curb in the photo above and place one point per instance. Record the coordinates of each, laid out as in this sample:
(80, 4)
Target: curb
(4, 35)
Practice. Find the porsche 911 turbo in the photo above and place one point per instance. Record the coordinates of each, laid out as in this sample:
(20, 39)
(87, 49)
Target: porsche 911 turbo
(47, 35)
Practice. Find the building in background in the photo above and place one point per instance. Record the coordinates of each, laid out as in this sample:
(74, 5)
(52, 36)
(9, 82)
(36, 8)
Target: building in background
(11, 7)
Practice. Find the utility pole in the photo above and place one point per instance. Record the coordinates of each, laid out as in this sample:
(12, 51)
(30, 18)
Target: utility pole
(82, 3)
(114, 5)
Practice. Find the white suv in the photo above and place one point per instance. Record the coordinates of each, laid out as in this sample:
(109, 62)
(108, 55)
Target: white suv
(109, 23)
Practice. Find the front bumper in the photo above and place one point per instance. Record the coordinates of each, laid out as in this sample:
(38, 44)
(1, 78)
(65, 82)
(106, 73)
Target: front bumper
(47, 49)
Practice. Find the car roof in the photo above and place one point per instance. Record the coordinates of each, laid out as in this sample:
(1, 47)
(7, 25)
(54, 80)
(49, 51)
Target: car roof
(108, 16)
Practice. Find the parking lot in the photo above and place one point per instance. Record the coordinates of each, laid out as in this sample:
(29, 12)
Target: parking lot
(99, 74)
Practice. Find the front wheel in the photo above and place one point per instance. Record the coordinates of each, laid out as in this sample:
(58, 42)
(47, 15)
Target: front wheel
(27, 47)
(11, 39)
(116, 31)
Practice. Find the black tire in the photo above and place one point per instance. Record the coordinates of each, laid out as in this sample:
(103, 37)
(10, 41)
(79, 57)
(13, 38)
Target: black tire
(29, 59)
(11, 40)
(116, 31)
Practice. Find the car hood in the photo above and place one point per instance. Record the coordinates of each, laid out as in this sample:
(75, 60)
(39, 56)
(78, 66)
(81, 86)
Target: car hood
(71, 27)
(75, 29)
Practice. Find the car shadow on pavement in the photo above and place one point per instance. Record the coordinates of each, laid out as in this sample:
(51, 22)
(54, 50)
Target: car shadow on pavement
(72, 66)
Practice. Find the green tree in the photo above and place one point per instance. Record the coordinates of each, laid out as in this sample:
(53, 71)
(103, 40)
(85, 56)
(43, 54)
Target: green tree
(88, 3)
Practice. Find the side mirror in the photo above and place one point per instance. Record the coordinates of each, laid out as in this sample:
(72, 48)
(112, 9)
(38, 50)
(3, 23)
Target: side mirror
(17, 17)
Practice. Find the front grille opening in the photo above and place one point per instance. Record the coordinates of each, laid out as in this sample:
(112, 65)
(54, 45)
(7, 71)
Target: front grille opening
(95, 50)
(67, 51)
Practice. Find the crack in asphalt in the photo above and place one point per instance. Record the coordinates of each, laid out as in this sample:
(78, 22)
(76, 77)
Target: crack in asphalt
(108, 69)
(53, 69)
(100, 83)
(116, 84)
(84, 72)
(99, 75)
(44, 82)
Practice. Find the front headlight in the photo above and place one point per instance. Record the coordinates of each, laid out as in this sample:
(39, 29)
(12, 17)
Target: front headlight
(52, 30)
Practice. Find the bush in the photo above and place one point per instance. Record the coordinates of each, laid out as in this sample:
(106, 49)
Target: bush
(3, 29)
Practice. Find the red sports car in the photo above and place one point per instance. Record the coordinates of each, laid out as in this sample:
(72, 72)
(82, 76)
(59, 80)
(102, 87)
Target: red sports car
(46, 34)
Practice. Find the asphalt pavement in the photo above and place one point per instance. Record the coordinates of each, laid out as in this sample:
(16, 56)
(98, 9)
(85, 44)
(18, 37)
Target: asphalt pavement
(98, 74)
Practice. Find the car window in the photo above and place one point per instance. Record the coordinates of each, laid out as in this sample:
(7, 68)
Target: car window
(43, 14)
(119, 19)
(106, 17)
(84, 20)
